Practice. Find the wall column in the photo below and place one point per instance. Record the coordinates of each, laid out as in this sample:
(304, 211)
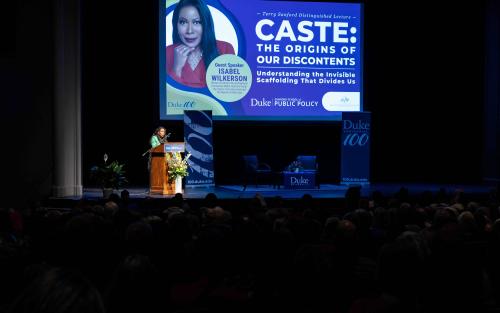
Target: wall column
(67, 99)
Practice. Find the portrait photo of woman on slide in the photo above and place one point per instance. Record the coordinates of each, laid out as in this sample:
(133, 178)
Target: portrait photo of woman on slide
(194, 44)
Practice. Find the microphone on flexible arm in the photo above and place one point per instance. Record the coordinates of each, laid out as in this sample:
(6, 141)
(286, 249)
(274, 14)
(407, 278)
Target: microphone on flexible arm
(165, 138)
(161, 141)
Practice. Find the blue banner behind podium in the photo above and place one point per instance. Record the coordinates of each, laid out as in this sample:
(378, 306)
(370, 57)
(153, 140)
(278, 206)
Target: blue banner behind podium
(355, 148)
(198, 139)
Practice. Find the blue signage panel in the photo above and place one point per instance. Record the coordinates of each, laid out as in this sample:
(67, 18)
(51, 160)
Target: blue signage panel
(198, 140)
(355, 148)
(299, 180)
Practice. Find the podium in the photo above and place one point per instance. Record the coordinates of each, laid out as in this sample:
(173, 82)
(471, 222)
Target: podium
(158, 171)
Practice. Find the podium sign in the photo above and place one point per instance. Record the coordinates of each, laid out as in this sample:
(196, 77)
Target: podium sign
(170, 147)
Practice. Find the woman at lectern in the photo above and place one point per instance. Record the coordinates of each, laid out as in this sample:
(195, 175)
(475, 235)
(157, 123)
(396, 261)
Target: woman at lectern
(194, 44)
(158, 137)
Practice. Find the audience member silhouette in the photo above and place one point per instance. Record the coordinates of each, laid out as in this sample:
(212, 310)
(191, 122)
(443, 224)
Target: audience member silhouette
(136, 287)
(59, 291)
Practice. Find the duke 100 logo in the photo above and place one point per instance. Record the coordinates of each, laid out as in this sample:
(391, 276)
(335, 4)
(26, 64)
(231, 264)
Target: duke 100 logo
(354, 139)
(359, 138)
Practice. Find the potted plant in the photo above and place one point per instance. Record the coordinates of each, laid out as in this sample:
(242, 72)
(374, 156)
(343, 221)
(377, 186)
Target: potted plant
(177, 169)
(295, 166)
(108, 176)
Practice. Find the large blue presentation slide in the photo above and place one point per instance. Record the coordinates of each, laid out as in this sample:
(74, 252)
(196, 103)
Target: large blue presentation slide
(260, 60)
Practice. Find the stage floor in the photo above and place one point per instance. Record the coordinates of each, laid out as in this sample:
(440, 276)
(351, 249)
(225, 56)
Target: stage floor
(326, 191)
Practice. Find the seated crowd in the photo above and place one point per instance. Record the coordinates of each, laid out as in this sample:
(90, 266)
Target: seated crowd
(397, 253)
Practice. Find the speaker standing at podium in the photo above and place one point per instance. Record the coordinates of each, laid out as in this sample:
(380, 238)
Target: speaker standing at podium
(158, 137)
(160, 158)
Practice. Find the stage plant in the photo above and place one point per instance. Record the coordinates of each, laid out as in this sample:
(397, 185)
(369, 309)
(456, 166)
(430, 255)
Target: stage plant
(295, 166)
(109, 176)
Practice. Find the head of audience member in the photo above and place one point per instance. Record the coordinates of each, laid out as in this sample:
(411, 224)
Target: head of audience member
(135, 286)
(458, 197)
(442, 217)
(330, 229)
(467, 222)
(307, 201)
(362, 219)
(125, 196)
(210, 200)
(277, 202)
(110, 209)
(403, 195)
(177, 200)
(346, 233)
(139, 237)
(442, 196)
(115, 198)
(482, 217)
(217, 215)
(495, 230)
(257, 204)
(181, 227)
(352, 196)
(400, 267)
(59, 291)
